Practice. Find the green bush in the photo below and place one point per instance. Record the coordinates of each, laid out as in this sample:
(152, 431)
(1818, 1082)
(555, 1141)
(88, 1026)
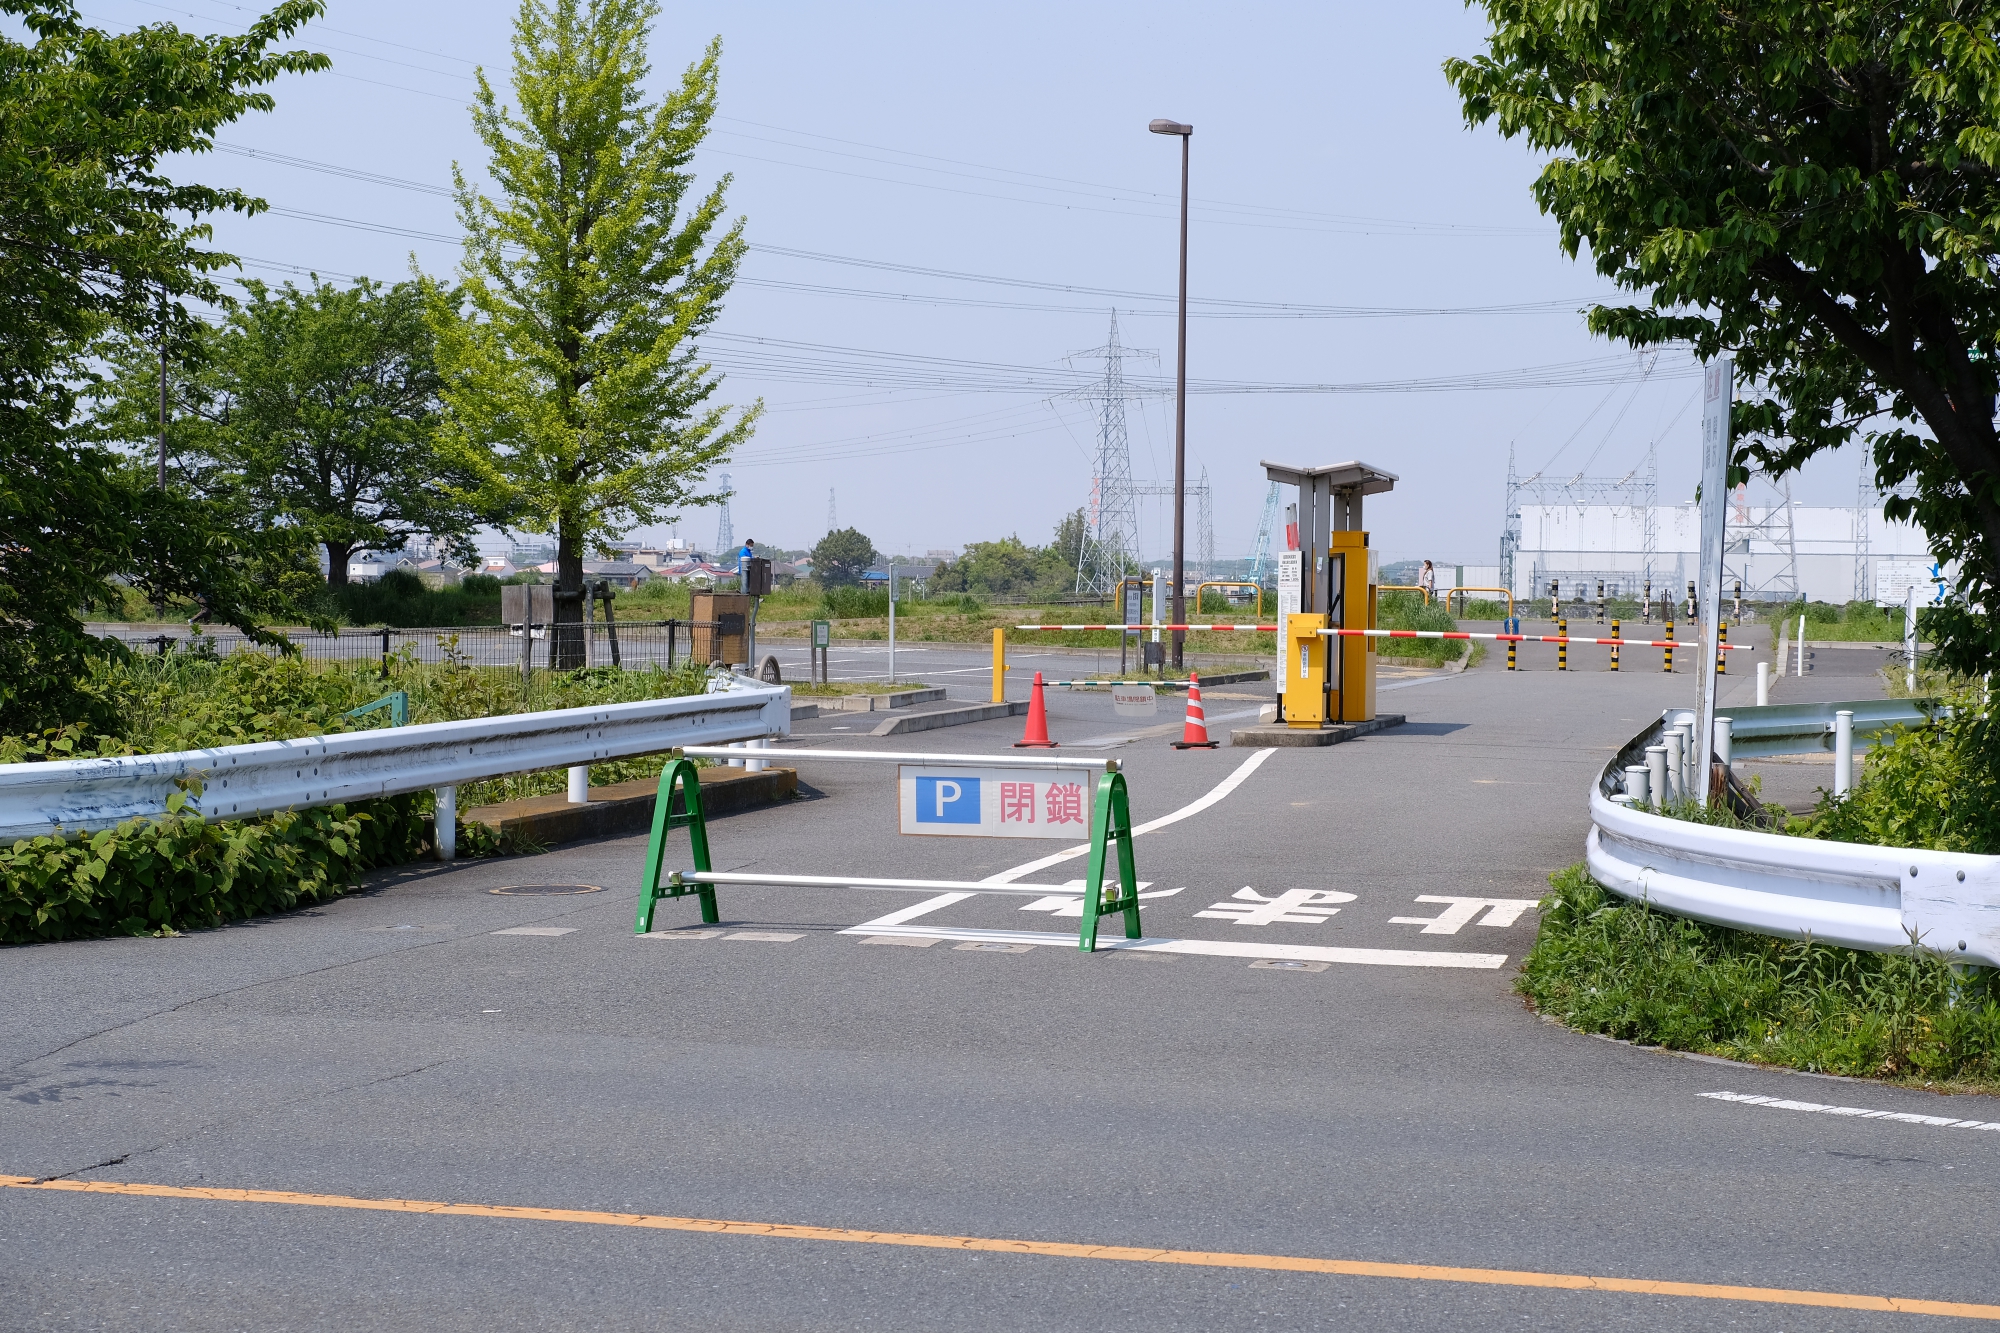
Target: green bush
(401, 601)
(1406, 610)
(1936, 787)
(854, 602)
(480, 585)
(1607, 965)
(183, 872)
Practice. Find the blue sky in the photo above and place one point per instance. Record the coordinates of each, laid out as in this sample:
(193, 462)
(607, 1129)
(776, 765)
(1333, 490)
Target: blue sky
(1331, 169)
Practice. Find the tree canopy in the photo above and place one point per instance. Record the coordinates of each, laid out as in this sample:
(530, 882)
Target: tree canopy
(1813, 189)
(842, 557)
(94, 237)
(575, 393)
(1011, 565)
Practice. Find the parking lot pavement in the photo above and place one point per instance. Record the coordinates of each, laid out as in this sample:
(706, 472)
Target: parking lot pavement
(438, 1041)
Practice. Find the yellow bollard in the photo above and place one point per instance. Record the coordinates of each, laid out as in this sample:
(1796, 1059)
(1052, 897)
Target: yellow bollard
(999, 666)
(1722, 649)
(1667, 662)
(1511, 645)
(1614, 644)
(1562, 645)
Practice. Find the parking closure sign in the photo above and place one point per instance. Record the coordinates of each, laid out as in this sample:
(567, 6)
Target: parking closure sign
(995, 802)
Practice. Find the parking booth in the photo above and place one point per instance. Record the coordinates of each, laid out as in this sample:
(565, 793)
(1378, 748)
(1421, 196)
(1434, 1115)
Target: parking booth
(1330, 678)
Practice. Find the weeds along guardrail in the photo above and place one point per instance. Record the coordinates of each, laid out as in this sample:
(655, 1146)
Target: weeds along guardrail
(244, 781)
(630, 644)
(1864, 897)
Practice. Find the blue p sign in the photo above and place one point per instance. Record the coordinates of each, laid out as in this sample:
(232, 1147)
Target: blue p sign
(947, 800)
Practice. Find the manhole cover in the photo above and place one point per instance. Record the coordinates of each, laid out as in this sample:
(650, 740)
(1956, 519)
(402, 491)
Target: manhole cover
(1290, 965)
(546, 890)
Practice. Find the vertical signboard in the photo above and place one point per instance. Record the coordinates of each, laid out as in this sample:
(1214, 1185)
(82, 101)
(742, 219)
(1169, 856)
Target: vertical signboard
(1290, 580)
(1718, 392)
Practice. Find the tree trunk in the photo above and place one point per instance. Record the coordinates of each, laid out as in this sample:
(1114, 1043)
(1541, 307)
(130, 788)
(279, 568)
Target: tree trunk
(337, 556)
(566, 640)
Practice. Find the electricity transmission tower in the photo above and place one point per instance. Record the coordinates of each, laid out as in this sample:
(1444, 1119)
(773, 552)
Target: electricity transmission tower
(725, 531)
(832, 515)
(1112, 518)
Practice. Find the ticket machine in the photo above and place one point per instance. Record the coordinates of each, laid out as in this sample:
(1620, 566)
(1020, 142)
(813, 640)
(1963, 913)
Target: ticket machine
(1327, 679)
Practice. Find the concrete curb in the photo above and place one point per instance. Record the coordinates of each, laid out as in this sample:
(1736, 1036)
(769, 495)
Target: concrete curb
(948, 717)
(1279, 736)
(627, 807)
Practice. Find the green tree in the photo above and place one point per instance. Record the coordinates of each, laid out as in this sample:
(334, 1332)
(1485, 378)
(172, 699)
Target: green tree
(575, 394)
(841, 558)
(318, 407)
(1816, 190)
(94, 237)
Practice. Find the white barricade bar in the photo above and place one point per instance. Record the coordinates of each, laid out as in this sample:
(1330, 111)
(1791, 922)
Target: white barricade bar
(680, 877)
(1089, 763)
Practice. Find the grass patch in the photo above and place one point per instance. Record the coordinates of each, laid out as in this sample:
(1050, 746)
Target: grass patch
(840, 687)
(1406, 610)
(1606, 965)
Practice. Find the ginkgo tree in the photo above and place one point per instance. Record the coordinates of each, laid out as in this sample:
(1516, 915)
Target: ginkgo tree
(575, 395)
(1811, 188)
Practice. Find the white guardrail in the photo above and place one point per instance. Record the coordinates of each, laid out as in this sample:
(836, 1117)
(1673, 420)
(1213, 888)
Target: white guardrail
(241, 781)
(1835, 892)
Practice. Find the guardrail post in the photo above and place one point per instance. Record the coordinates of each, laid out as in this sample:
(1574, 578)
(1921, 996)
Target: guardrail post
(579, 784)
(1113, 824)
(1562, 645)
(757, 765)
(1763, 684)
(1656, 772)
(1843, 752)
(1724, 740)
(1637, 785)
(445, 823)
(1676, 764)
(1614, 643)
(680, 777)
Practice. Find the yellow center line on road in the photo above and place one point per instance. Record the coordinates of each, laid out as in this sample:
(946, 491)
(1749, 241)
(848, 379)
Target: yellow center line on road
(1501, 1277)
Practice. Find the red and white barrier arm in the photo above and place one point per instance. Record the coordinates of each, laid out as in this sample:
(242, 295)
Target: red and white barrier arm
(1412, 634)
(1524, 638)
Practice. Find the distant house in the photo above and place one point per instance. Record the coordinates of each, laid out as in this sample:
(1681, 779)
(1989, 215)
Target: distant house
(625, 574)
(917, 572)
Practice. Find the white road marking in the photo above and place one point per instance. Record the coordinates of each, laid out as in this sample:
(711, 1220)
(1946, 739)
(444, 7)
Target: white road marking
(537, 930)
(911, 941)
(1206, 948)
(679, 935)
(1071, 904)
(1859, 1113)
(1499, 912)
(1164, 729)
(764, 936)
(1293, 907)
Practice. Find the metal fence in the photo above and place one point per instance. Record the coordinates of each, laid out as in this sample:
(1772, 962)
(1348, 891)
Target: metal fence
(640, 644)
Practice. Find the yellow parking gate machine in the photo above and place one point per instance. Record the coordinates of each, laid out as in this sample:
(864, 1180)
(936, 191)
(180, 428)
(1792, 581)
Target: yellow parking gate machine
(1329, 679)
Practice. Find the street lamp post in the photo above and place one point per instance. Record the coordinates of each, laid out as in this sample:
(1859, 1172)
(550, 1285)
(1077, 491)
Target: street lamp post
(1185, 132)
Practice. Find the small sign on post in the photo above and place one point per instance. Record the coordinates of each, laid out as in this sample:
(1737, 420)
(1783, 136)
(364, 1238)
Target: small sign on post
(1134, 700)
(822, 640)
(995, 802)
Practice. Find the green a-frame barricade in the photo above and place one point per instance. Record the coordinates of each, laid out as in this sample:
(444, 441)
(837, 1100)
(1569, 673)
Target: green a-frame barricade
(679, 805)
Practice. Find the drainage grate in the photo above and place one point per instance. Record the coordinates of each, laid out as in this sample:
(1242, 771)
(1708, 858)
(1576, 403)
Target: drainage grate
(1290, 964)
(546, 890)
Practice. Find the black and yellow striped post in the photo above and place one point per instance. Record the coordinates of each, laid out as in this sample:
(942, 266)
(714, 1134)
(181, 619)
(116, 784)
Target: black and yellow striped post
(1722, 649)
(1511, 646)
(1667, 662)
(1600, 601)
(1562, 645)
(1614, 644)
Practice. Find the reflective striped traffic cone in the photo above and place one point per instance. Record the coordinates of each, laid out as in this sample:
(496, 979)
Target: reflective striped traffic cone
(1194, 734)
(1037, 734)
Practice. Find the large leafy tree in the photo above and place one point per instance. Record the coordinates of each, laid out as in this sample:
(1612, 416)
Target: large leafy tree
(1813, 188)
(574, 389)
(841, 558)
(318, 408)
(94, 236)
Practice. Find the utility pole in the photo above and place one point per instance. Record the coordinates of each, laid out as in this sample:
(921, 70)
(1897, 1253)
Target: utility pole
(1186, 133)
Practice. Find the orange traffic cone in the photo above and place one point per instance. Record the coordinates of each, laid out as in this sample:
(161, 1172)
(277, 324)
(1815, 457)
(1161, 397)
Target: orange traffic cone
(1194, 735)
(1037, 734)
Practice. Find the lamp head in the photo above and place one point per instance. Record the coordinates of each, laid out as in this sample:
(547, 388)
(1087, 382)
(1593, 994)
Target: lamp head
(1170, 127)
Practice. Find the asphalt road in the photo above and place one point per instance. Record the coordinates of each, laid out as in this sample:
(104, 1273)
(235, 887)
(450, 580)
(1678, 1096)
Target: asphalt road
(1382, 1108)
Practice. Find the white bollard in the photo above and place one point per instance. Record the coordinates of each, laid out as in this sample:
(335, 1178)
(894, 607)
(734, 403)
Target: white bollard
(736, 745)
(1637, 785)
(758, 765)
(1724, 735)
(1656, 772)
(1910, 640)
(1763, 684)
(446, 820)
(579, 784)
(1676, 764)
(1801, 647)
(1843, 752)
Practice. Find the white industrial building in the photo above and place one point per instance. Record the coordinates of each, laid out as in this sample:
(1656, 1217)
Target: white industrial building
(1834, 553)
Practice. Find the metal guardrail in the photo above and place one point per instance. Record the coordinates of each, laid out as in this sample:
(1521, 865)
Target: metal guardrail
(243, 781)
(1837, 892)
(1803, 728)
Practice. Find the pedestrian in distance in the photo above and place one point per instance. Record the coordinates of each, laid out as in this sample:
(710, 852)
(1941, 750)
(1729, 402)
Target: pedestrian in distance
(1427, 579)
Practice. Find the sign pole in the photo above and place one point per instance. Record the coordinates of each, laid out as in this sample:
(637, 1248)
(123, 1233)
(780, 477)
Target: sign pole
(1719, 391)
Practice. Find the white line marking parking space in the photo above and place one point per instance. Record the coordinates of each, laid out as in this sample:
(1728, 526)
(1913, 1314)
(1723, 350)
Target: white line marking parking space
(1856, 1112)
(537, 930)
